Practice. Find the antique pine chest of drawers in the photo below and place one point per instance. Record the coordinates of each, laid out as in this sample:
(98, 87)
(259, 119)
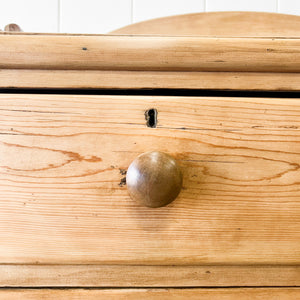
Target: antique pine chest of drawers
(217, 95)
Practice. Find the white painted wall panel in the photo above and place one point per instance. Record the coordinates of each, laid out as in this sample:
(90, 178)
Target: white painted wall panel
(30, 15)
(289, 7)
(150, 9)
(242, 5)
(94, 16)
(102, 16)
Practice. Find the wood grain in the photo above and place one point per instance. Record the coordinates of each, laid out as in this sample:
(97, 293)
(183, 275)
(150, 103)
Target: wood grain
(149, 53)
(134, 294)
(147, 276)
(140, 80)
(63, 199)
(230, 24)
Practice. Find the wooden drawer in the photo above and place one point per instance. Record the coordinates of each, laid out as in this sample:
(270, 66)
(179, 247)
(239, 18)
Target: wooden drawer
(64, 199)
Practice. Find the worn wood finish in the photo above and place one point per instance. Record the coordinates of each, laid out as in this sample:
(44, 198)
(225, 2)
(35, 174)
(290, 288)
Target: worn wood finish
(139, 80)
(147, 276)
(136, 294)
(230, 24)
(63, 197)
(149, 53)
(113, 62)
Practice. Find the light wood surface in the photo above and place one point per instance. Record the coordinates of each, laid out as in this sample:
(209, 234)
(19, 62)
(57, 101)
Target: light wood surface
(137, 62)
(149, 53)
(66, 219)
(63, 198)
(140, 80)
(147, 276)
(230, 24)
(161, 294)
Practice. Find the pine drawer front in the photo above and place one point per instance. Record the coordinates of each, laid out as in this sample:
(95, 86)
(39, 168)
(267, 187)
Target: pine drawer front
(64, 198)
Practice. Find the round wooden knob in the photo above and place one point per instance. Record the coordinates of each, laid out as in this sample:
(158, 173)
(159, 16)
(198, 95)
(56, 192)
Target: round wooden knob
(154, 179)
(12, 27)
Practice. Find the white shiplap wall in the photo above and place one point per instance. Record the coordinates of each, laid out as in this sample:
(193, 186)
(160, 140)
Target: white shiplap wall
(102, 16)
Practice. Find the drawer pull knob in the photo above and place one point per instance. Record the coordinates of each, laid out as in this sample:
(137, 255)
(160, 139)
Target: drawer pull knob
(154, 179)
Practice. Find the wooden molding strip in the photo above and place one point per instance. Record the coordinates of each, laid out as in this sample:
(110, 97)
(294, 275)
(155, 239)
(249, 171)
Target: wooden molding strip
(152, 294)
(146, 276)
(91, 79)
(149, 53)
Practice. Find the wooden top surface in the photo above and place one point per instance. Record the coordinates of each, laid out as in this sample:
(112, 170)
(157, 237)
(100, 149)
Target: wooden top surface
(222, 24)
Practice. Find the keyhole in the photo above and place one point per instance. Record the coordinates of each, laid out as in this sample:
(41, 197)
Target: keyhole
(151, 117)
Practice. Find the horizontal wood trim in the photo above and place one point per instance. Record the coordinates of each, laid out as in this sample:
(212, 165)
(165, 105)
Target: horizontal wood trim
(137, 294)
(91, 79)
(63, 197)
(149, 53)
(147, 276)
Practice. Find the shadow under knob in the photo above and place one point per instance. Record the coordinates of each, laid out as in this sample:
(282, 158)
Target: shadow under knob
(154, 179)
